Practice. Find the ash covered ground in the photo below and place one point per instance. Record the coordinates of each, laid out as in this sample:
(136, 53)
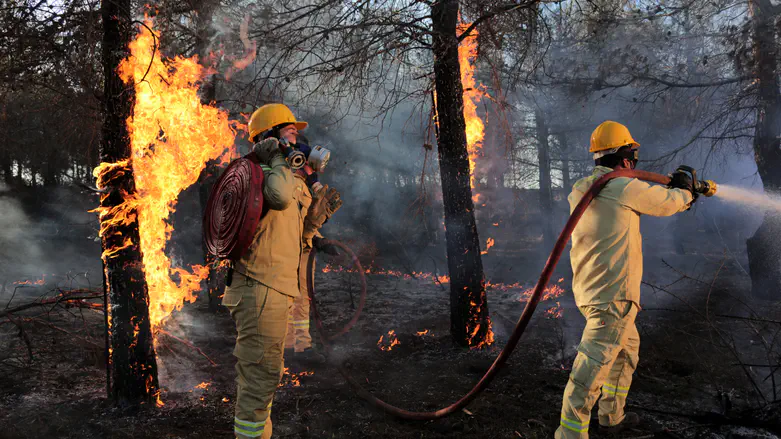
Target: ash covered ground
(707, 362)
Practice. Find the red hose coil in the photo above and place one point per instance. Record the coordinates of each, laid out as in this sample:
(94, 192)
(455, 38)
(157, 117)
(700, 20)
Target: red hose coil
(523, 321)
(234, 209)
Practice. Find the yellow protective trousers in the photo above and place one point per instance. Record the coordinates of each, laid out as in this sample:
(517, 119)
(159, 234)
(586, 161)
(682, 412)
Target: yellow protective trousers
(607, 358)
(261, 315)
(298, 336)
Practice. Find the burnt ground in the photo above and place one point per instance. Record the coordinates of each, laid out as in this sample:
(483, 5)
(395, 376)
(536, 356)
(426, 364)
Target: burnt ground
(689, 384)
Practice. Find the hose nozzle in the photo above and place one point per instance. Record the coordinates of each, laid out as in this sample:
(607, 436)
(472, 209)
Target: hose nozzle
(706, 187)
(702, 187)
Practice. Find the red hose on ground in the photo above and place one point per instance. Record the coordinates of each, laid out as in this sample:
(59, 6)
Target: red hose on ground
(523, 321)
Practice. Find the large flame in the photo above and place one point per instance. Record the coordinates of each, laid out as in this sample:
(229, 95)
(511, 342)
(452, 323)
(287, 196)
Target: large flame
(173, 136)
(475, 129)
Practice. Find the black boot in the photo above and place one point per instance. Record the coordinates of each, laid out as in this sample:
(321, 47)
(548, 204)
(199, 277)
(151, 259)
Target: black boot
(631, 419)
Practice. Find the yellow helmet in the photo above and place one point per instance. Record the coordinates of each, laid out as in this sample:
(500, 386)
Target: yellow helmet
(271, 115)
(609, 135)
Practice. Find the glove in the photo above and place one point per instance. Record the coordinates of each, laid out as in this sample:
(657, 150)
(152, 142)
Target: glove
(682, 180)
(329, 249)
(326, 202)
(266, 150)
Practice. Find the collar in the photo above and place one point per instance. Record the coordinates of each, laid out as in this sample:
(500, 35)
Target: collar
(601, 170)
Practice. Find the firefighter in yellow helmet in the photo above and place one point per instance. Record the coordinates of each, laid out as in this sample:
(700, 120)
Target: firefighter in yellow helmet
(265, 280)
(607, 265)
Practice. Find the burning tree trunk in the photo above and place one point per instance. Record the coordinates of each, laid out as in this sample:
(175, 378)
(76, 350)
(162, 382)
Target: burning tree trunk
(763, 252)
(133, 366)
(546, 191)
(469, 323)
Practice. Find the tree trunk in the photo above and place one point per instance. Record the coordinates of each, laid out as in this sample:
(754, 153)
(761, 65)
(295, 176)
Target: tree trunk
(546, 191)
(469, 323)
(5, 167)
(566, 179)
(763, 252)
(133, 366)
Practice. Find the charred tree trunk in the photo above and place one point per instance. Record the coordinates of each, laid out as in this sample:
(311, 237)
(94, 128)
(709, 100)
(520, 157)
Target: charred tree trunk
(469, 323)
(546, 190)
(133, 365)
(764, 253)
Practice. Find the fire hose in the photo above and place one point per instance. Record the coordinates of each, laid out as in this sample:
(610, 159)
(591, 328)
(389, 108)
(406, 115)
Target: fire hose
(707, 188)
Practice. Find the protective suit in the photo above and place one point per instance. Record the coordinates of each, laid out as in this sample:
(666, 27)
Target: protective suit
(298, 336)
(260, 297)
(607, 264)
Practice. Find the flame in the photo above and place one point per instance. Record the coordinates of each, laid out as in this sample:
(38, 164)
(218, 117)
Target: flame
(475, 129)
(488, 244)
(225, 399)
(474, 318)
(172, 136)
(292, 379)
(391, 341)
(40, 281)
(422, 333)
(204, 385)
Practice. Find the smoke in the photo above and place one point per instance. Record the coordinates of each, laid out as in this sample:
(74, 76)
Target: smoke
(50, 236)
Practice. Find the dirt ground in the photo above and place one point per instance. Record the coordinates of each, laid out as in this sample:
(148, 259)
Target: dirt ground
(689, 383)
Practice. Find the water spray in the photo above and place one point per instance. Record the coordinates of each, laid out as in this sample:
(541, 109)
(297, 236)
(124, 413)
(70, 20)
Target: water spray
(707, 188)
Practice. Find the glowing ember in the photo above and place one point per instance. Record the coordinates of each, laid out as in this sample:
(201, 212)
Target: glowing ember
(474, 319)
(556, 312)
(172, 137)
(225, 399)
(422, 333)
(290, 379)
(475, 129)
(550, 292)
(389, 342)
(203, 386)
(488, 244)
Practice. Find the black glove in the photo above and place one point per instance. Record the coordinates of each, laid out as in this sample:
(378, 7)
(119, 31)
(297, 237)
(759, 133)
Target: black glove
(682, 180)
(266, 150)
(321, 246)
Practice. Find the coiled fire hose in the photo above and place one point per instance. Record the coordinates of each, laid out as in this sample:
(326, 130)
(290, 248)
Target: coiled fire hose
(520, 327)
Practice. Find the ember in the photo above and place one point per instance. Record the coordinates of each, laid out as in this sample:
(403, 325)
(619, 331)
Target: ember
(555, 312)
(203, 386)
(488, 244)
(389, 342)
(422, 333)
(40, 281)
(290, 379)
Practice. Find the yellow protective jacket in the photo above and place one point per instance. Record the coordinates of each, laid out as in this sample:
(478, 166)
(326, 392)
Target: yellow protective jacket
(607, 248)
(273, 257)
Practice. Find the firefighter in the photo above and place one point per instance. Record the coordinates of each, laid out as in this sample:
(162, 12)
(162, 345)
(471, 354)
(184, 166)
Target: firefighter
(298, 343)
(264, 281)
(607, 265)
